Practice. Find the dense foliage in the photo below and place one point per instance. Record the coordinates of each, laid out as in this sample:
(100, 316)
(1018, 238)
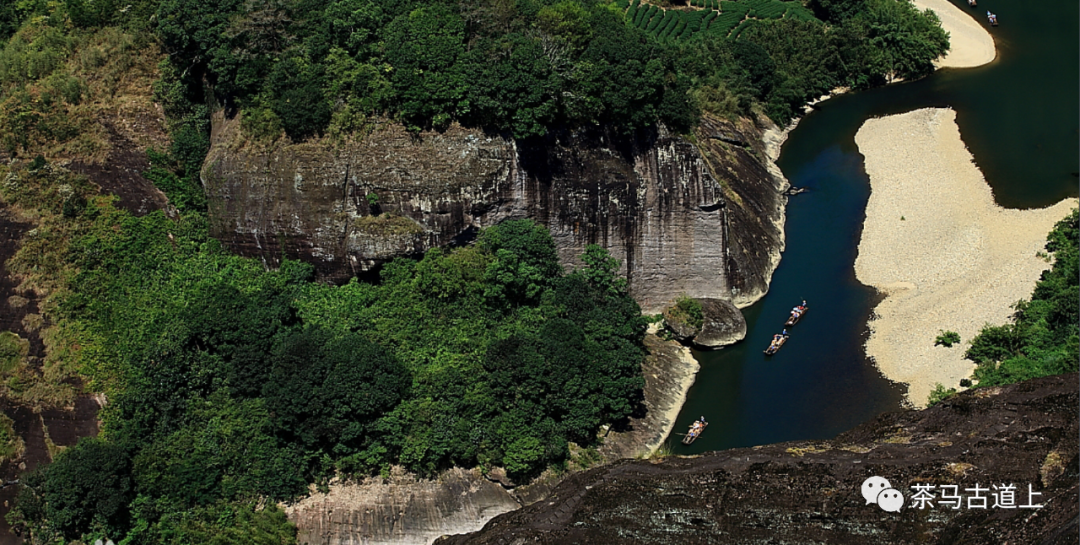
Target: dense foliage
(1044, 336)
(229, 384)
(307, 68)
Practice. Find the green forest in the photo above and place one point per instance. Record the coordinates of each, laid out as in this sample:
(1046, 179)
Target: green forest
(303, 68)
(230, 386)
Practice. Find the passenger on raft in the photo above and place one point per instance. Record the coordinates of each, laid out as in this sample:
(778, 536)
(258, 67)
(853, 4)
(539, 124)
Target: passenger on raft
(797, 311)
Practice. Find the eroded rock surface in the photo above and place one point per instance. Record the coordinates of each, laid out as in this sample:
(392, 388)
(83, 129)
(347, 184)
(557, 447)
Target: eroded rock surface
(705, 219)
(401, 510)
(810, 492)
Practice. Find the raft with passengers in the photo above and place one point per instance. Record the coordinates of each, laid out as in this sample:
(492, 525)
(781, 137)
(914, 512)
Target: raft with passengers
(796, 314)
(695, 431)
(778, 340)
(992, 18)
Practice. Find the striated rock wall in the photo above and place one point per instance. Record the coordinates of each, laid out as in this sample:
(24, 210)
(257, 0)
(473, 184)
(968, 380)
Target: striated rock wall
(702, 219)
(810, 492)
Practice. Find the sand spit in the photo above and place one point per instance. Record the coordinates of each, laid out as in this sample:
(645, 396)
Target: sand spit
(939, 247)
(971, 44)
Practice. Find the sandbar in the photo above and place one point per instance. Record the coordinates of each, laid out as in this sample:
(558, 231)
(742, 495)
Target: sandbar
(945, 255)
(970, 44)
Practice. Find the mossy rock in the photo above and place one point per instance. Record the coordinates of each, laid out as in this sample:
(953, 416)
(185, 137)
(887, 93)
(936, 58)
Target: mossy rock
(684, 319)
(387, 225)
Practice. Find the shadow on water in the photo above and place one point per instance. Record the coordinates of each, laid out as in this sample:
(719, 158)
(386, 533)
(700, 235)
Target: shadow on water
(1018, 116)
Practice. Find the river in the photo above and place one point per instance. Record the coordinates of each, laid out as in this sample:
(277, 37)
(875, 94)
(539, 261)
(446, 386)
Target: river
(1018, 116)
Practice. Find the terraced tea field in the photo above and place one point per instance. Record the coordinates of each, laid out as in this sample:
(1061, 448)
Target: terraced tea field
(724, 18)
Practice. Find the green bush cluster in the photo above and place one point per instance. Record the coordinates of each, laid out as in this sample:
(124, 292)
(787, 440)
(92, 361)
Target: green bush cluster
(781, 63)
(311, 68)
(1043, 337)
(939, 394)
(947, 339)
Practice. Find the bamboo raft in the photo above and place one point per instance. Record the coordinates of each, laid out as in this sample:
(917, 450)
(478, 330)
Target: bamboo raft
(774, 348)
(793, 319)
(692, 436)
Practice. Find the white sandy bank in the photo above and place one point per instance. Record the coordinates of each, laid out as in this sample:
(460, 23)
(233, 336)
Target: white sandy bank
(971, 45)
(938, 245)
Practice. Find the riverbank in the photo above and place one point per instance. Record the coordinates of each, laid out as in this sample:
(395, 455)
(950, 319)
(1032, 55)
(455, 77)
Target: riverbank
(970, 44)
(669, 370)
(946, 256)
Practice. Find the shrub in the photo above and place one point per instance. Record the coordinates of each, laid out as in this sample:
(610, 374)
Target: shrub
(939, 394)
(947, 339)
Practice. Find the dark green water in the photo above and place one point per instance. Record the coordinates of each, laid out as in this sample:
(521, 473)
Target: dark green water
(1019, 117)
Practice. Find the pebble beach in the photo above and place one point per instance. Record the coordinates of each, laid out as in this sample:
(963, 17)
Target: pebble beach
(939, 248)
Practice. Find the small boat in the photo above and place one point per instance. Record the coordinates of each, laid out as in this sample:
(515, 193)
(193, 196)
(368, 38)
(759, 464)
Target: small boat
(992, 18)
(794, 318)
(773, 348)
(695, 431)
(972, 3)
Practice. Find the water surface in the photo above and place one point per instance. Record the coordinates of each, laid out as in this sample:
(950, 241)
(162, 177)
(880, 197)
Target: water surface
(1018, 116)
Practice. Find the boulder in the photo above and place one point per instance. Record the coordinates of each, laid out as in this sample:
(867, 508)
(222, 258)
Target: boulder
(723, 324)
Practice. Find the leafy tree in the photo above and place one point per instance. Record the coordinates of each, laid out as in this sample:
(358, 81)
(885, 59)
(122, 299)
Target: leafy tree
(88, 486)
(525, 261)
(326, 392)
(424, 47)
(903, 41)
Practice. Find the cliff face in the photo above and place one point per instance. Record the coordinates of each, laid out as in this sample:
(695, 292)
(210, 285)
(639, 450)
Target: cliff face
(810, 492)
(703, 219)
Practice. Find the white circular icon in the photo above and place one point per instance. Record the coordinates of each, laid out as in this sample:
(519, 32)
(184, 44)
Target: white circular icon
(872, 487)
(890, 500)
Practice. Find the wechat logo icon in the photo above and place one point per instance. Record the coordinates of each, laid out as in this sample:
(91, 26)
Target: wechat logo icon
(878, 490)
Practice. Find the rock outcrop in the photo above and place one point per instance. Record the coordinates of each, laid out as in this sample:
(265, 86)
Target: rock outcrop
(723, 324)
(401, 510)
(704, 219)
(810, 492)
